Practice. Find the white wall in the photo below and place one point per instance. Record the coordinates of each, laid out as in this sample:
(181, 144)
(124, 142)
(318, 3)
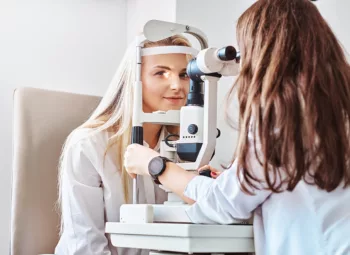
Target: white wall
(141, 11)
(66, 45)
(217, 20)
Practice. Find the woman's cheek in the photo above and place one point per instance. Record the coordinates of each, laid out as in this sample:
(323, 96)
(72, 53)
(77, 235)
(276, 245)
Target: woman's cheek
(153, 92)
(187, 87)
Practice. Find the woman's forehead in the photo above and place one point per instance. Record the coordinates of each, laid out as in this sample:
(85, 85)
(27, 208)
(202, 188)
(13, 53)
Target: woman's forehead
(170, 60)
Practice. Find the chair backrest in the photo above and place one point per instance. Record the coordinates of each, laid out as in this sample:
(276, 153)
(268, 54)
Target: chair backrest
(42, 121)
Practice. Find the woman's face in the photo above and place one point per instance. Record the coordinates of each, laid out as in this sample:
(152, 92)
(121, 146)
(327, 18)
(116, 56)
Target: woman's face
(165, 82)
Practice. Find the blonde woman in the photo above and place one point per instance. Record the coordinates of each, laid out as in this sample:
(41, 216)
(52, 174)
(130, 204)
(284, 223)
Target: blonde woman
(93, 181)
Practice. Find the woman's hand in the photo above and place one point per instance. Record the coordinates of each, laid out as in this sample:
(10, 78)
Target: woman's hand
(214, 173)
(136, 159)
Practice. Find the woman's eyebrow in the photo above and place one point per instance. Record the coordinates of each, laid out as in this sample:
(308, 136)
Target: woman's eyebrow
(166, 68)
(163, 67)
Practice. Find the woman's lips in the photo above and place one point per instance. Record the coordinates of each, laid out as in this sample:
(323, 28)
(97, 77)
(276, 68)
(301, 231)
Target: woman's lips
(174, 100)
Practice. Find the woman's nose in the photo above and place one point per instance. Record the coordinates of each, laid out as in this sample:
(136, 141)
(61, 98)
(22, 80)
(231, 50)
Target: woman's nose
(175, 83)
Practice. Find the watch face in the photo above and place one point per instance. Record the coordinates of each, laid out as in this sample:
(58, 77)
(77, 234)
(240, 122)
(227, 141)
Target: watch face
(156, 166)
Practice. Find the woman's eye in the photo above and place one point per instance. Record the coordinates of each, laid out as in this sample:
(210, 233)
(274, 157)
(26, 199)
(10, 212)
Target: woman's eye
(184, 76)
(160, 73)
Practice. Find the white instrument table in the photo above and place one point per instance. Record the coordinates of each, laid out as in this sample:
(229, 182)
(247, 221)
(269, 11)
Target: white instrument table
(184, 238)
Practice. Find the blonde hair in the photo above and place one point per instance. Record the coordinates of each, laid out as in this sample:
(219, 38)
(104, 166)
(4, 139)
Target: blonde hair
(114, 112)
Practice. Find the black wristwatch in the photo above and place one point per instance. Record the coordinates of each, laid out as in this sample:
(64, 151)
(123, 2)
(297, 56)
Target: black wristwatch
(156, 167)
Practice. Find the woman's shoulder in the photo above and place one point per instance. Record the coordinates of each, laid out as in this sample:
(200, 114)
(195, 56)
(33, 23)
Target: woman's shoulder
(87, 146)
(88, 140)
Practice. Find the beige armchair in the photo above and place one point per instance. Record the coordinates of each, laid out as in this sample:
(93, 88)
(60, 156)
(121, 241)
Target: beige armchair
(42, 121)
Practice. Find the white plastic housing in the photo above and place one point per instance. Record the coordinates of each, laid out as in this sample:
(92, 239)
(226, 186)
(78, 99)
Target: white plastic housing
(136, 213)
(208, 62)
(185, 238)
(191, 115)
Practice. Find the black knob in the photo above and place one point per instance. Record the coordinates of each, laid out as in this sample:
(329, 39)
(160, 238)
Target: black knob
(206, 173)
(227, 53)
(192, 129)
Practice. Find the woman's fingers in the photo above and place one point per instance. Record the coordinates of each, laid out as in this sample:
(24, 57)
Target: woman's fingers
(133, 176)
(206, 167)
(214, 173)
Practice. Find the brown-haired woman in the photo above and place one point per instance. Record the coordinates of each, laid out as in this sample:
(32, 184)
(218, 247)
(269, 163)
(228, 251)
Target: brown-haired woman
(291, 167)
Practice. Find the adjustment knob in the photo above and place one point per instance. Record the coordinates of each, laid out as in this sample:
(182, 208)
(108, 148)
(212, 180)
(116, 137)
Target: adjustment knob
(192, 129)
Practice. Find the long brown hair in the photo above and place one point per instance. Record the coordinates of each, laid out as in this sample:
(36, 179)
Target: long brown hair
(294, 97)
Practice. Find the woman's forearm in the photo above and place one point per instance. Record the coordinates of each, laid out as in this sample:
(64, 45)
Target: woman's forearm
(176, 179)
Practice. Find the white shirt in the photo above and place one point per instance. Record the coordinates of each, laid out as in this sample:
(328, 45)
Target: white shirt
(306, 221)
(92, 195)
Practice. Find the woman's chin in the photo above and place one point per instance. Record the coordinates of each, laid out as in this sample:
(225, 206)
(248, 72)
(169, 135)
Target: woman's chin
(170, 108)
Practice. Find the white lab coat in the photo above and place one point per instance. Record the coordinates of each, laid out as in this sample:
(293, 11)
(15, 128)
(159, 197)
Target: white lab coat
(306, 221)
(92, 195)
